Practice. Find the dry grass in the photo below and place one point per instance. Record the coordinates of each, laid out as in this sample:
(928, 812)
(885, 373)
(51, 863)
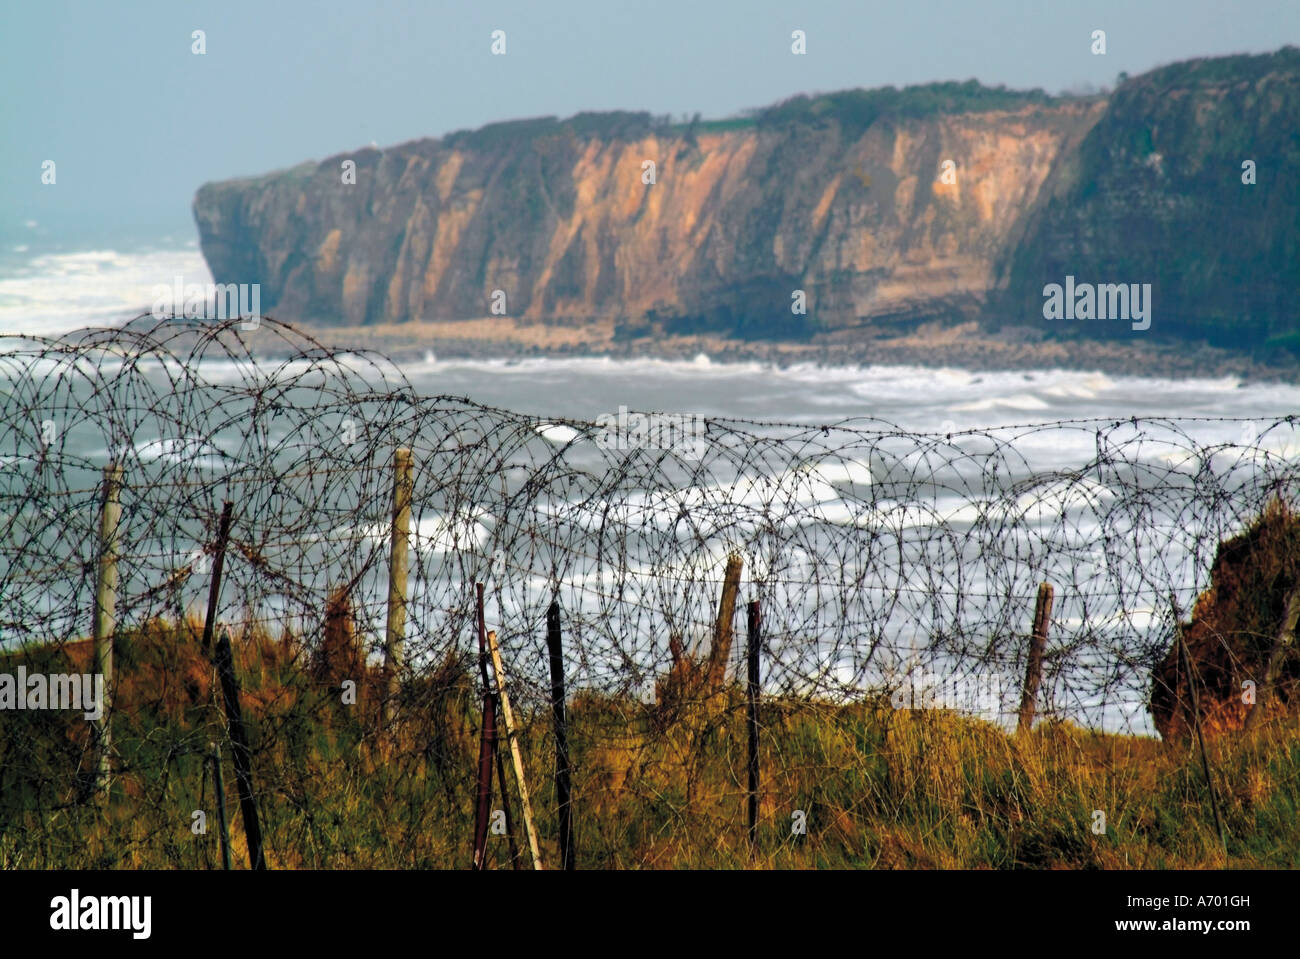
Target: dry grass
(654, 786)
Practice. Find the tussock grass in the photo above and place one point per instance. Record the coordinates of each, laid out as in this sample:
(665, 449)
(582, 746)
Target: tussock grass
(654, 787)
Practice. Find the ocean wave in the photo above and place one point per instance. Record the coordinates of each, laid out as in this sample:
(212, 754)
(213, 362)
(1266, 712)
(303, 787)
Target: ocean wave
(1017, 401)
(56, 293)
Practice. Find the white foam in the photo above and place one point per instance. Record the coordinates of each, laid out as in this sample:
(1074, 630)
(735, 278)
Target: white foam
(191, 450)
(558, 433)
(60, 292)
(1017, 401)
(432, 532)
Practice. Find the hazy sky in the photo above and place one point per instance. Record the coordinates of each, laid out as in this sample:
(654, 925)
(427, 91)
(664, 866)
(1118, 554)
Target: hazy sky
(136, 122)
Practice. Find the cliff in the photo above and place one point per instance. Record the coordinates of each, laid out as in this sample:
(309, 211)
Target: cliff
(843, 196)
(1155, 194)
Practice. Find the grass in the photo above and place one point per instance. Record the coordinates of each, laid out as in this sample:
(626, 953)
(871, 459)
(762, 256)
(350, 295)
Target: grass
(653, 788)
(854, 109)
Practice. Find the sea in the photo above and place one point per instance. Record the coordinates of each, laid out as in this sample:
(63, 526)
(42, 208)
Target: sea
(46, 290)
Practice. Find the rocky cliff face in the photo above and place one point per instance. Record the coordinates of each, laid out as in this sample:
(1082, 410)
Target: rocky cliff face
(556, 215)
(849, 198)
(1156, 194)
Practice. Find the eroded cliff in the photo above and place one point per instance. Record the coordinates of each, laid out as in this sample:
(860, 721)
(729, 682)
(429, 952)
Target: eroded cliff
(947, 201)
(1188, 182)
(856, 211)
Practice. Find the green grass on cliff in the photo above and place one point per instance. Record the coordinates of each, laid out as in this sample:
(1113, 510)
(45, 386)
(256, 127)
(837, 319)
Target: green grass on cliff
(854, 110)
(878, 787)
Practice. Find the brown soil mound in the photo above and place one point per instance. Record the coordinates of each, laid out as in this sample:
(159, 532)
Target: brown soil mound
(1235, 630)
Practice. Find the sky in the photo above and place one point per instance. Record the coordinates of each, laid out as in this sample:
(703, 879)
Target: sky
(135, 121)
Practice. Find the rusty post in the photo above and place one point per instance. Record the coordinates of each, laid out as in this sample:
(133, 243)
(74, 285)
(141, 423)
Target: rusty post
(218, 566)
(563, 769)
(486, 744)
(221, 806)
(239, 748)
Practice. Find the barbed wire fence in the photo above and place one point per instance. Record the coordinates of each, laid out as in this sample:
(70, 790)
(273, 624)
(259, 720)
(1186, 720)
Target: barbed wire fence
(882, 560)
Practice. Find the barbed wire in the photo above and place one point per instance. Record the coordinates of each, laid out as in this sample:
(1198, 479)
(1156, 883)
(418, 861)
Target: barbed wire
(879, 555)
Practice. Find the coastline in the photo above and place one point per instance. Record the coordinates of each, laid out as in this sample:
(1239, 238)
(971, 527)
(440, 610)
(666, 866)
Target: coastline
(961, 346)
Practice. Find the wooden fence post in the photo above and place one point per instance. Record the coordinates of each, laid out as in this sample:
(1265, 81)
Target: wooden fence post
(755, 626)
(105, 618)
(722, 631)
(563, 771)
(516, 754)
(395, 635)
(240, 750)
(1034, 670)
(221, 806)
(486, 744)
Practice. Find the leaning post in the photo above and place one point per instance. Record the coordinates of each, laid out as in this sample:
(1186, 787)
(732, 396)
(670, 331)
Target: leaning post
(1034, 669)
(105, 618)
(395, 634)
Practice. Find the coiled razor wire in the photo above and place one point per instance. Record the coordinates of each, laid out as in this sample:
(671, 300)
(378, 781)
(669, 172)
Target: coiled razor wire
(876, 553)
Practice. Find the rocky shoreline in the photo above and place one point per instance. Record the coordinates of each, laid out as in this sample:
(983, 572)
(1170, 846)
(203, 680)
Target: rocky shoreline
(962, 346)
